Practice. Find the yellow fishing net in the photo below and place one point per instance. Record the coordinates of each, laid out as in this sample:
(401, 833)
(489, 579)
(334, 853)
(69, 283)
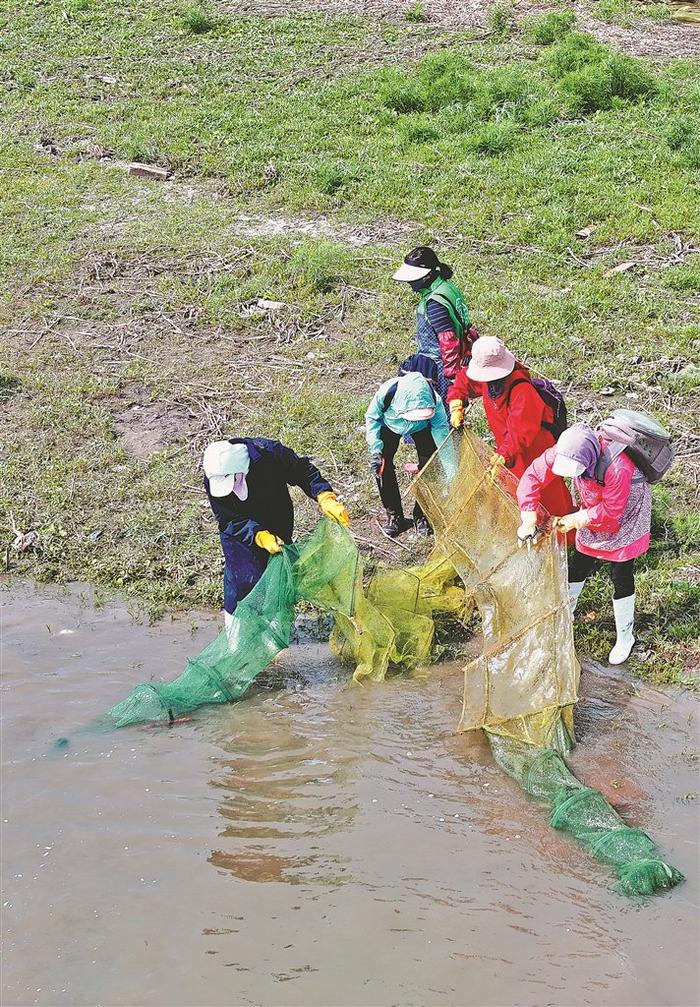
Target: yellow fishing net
(528, 668)
(393, 621)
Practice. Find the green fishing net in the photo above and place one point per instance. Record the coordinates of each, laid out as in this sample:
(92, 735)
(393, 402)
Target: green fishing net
(390, 623)
(323, 569)
(585, 814)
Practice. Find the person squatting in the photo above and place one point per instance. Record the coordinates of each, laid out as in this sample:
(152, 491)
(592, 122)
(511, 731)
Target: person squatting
(607, 520)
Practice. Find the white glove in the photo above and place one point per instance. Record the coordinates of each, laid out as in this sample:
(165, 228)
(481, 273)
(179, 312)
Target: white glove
(579, 519)
(527, 532)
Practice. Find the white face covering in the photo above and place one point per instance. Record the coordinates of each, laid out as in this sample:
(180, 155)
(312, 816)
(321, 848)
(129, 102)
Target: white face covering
(240, 486)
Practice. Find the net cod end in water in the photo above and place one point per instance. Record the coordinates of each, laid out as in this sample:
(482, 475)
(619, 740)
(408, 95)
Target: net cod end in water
(521, 690)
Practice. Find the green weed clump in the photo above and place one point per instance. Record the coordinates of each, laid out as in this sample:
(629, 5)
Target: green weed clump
(682, 132)
(542, 113)
(613, 12)
(330, 177)
(501, 19)
(196, 19)
(404, 96)
(440, 80)
(685, 278)
(683, 136)
(576, 75)
(494, 138)
(416, 13)
(597, 84)
(505, 87)
(572, 52)
(545, 29)
(419, 130)
(321, 265)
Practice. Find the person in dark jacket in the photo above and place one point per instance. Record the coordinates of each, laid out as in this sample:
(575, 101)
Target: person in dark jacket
(443, 329)
(247, 480)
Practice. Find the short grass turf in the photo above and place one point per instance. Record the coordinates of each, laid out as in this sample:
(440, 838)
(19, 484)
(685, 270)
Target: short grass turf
(306, 155)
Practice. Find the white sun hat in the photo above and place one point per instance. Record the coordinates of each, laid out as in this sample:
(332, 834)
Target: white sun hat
(226, 464)
(567, 467)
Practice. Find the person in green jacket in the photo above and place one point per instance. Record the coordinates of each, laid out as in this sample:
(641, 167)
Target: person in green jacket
(405, 406)
(443, 329)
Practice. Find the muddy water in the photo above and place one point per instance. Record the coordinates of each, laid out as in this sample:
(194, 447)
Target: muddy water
(318, 843)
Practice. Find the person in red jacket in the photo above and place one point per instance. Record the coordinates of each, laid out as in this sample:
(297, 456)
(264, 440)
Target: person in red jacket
(515, 412)
(612, 526)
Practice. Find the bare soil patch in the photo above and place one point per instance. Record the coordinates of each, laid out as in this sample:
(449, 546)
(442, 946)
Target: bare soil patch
(659, 41)
(145, 427)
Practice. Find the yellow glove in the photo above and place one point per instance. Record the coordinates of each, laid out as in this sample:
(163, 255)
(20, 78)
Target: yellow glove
(456, 413)
(271, 543)
(495, 461)
(527, 532)
(333, 508)
(579, 519)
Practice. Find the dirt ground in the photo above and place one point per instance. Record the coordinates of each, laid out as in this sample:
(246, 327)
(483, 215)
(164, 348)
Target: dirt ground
(659, 41)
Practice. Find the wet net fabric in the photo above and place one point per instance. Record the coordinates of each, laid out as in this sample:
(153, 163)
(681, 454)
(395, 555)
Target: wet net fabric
(523, 687)
(586, 815)
(528, 668)
(391, 622)
(322, 569)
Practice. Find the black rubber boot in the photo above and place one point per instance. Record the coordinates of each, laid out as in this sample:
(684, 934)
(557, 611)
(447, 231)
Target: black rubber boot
(395, 523)
(423, 526)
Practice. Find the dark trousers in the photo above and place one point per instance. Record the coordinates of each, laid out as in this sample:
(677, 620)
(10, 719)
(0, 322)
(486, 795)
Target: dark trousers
(582, 566)
(244, 567)
(387, 483)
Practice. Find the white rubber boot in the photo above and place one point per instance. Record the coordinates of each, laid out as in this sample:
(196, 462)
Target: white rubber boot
(624, 624)
(575, 590)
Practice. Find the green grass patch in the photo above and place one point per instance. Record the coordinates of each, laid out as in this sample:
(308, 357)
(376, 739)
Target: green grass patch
(121, 296)
(197, 18)
(416, 13)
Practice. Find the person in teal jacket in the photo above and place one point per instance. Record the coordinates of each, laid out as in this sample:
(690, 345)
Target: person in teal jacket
(407, 405)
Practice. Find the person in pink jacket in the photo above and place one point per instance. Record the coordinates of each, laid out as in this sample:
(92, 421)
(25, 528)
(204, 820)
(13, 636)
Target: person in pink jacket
(613, 523)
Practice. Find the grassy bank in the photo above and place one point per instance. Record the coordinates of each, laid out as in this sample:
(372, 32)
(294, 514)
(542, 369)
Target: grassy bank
(250, 292)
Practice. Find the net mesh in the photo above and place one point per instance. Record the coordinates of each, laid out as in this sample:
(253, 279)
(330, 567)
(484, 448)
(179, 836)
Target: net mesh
(392, 622)
(322, 569)
(522, 688)
(586, 815)
(528, 665)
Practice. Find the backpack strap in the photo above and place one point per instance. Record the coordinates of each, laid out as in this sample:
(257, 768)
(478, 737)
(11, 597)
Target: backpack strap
(605, 459)
(602, 466)
(390, 395)
(518, 381)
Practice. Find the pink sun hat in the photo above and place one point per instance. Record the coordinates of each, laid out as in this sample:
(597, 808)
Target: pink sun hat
(490, 360)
